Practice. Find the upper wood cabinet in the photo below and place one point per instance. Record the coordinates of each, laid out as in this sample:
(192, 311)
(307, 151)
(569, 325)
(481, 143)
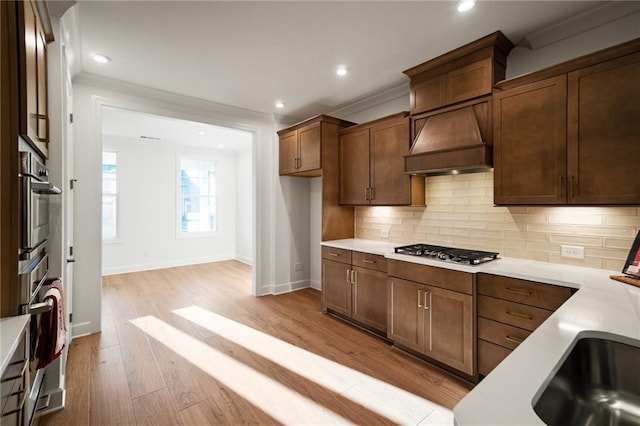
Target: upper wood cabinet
(462, 74)
(570, 134)
(372, 164)
(301, 145)
(34, 32)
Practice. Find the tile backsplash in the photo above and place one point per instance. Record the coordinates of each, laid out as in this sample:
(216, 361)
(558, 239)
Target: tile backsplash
(460, 213)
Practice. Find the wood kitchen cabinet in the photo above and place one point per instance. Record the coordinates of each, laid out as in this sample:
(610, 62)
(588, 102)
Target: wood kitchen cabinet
(372, 164)
(509, 310)
(34, 31)
(15, 385)
(569, 134)
(460, 75)
(354, 285)
(301, 146)
(431, 312)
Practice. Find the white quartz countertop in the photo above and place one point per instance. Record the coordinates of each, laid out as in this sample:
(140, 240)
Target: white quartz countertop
(602, 306)
(10, 330)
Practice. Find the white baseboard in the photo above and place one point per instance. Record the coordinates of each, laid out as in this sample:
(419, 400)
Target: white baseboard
(244, 259)
(162, 265)
(289, 287)
(83, 329)
(316, 285)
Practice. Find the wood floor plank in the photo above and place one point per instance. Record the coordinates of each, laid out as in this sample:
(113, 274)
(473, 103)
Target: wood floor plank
(110, 401)
(156, 409)
(127, 376)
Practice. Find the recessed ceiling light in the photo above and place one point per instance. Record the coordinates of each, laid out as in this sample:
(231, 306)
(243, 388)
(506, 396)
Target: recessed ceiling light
(220, 145)
(465, 5)
(202, 132)
(100, 58)
(342, 70)
(280, 104)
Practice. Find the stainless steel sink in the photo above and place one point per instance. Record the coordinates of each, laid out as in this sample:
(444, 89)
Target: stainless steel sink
(598, 384)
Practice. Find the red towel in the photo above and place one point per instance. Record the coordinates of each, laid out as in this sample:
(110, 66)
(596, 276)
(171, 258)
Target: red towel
(53, 330)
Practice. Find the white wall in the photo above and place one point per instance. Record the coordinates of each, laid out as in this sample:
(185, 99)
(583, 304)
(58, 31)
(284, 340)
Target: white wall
(244, 206)
(147, 211)
(90, 94)
(315, 232)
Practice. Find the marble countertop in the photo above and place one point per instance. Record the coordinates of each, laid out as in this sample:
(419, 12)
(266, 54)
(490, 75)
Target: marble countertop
(10, 330)
(602, 306)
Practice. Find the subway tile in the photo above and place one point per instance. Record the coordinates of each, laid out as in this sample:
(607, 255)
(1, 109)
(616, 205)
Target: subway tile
(612, 265)
(515, 210)
(486, 183)
(384, 220)
(447, 200)
(454, 231)
(632, 221)
(602, 253)
(576, 240)
(580, 219)
(401, 213)
(438, 179)
(525, 236)
(527, 218)
(470, 224)
(605, 231)
(469, 208)
(468, 191)
(470, 176)
(490, 217)
(483, 233)
(619, 243)
(439, 208)
(551, 229)
(440, 192)
(502, 226)
(551, 248)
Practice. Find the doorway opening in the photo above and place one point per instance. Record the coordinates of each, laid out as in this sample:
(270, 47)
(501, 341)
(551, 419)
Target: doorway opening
(174, 192)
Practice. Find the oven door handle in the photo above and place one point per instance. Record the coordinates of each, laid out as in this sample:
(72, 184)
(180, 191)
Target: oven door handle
(44, 188)
(40, 308)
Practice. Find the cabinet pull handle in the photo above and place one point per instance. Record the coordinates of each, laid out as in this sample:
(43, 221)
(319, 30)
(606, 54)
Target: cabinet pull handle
(519, 315)
(419, 299)
(519, 291)
(561, 180)
(426, 306)
(334, 254)
(369, 261)
(354, 277)
(512, 339)
(348, 275)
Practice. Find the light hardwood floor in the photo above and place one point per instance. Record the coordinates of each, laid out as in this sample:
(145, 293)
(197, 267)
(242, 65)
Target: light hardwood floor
(191, 346)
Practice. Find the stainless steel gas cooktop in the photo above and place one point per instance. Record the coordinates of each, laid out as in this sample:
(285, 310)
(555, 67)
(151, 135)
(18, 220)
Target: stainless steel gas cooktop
(448, 254)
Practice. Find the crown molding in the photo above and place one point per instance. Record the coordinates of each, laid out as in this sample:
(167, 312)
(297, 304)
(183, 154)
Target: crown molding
(371, 101)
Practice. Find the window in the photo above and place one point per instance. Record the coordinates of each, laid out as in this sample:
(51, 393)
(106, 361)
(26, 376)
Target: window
(109, 195)
(197, 199)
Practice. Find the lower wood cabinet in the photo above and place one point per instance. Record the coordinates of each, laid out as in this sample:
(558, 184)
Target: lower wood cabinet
(14, 386)
(354, 285)
(509, 310)
(432, 320)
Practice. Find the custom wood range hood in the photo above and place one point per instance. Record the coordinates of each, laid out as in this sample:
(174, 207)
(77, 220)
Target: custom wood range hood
(451, 107)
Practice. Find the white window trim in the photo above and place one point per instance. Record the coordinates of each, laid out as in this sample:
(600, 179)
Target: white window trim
(200, 234)
(118, 237)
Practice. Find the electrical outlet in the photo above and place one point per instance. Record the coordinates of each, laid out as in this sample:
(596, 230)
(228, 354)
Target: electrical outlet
(573, 252)
(384, 233)
(298, 266)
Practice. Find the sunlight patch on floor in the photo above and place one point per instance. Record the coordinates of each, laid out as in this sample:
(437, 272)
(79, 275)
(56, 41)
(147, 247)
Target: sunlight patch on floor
(275, 399)
(380, 397)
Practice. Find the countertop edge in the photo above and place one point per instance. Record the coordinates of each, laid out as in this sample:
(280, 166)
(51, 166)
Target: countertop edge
(10, 330)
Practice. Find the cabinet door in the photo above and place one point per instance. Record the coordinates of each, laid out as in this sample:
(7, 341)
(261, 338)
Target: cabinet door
(389, 144)
(470, 81)
(530, 143)
(354, 167)
(43, 109)
(30, 98)
(309, 148)
(370, 298)
(450, 324)
(288, 153)
(428, 94)
(336, 287)
(604, 133)
(406, 313)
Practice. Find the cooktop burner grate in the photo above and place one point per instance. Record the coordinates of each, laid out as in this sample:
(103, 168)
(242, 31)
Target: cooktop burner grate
(448, 254)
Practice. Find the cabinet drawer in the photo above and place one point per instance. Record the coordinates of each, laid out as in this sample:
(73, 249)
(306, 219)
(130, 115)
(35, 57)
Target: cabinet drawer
(461, 282)
(489, 356)
(544, 296)
(369, 261)
(523, 316)
(501, 334)
(336, 254)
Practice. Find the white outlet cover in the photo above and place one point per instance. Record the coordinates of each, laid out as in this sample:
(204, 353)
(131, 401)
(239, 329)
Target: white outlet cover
(572, 252)
(384, 233)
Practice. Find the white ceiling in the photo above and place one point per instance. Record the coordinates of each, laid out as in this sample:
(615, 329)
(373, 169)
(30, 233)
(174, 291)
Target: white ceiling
(155, 130)
(248, 54)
